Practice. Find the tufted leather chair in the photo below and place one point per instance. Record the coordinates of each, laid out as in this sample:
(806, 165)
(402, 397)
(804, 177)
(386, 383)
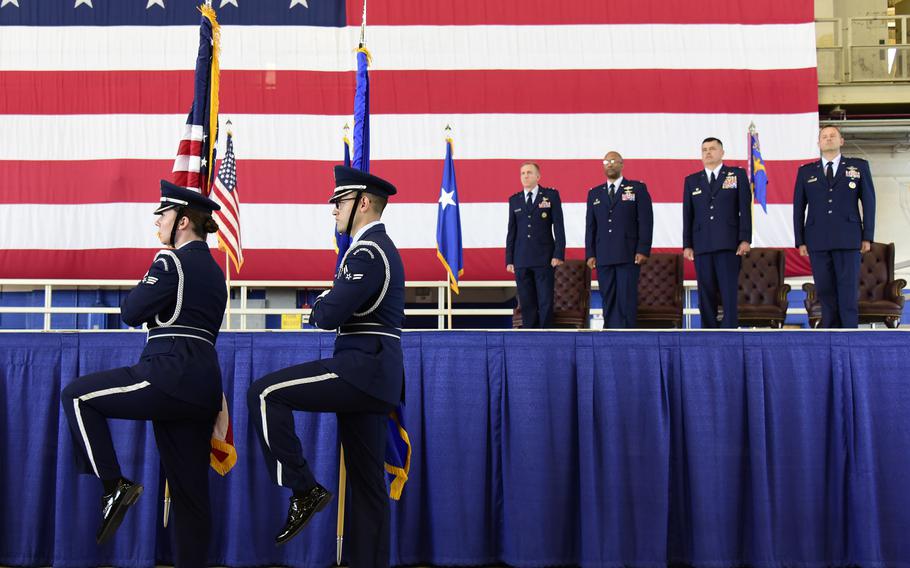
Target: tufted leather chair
(762, 298)
(571, 296)
(881, 297)
(660, 292)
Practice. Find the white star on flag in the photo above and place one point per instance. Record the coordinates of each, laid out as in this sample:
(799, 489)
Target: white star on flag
(81, 2)
(296, 2)
(445, 198)
(13, 2)
(155, 3)
(228, 2)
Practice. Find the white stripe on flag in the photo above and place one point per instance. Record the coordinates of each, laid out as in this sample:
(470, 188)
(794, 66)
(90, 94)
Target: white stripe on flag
(416, 136)
(667, 46)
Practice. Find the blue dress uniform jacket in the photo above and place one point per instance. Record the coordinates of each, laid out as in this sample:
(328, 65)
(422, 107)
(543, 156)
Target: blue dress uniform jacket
(717, 217)
(366, 306)
(182, 299)
(537, 234)
(616, 230)
(834, 221)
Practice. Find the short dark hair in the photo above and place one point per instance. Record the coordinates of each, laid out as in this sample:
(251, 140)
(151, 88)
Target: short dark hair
(536, 167)
(377, 202)
(837, 128)
(712, 139)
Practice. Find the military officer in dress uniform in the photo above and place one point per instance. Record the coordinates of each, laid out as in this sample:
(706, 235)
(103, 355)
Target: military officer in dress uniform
(834, 233)
(619, 224)
(176, 383)
(362, 383)
(535, 246)
(717, 230)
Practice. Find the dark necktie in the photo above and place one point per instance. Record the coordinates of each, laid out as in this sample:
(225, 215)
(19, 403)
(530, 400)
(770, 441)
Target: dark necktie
(530, 201)
(829, 173)
(713, 178)
(612, 191)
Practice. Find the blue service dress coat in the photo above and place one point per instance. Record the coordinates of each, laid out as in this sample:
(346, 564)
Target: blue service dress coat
(717, 217)
(834, 221)
(536, 235)
(618, 229)
(366, 306)
(182, 300)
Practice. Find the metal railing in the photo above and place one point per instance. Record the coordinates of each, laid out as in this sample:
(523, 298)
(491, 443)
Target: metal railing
(863, 49)
(444, 309)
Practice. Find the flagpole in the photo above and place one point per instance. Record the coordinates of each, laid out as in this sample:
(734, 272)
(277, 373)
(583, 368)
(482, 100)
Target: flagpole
(339, 527)
(167, 503)
(227, 282)
(450, 300)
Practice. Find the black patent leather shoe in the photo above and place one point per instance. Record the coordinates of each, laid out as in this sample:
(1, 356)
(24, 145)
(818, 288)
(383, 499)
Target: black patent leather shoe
(301, 510)
(114, 506)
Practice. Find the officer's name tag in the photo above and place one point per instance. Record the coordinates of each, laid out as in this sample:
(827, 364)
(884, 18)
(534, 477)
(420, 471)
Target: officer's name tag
(812, 179)
(628, 196)
(517, 210)
(729, 182)
(852, 173)
(545, 204)
(697, 191)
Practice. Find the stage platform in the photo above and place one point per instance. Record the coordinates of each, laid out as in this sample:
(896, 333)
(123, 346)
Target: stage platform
(530, 449)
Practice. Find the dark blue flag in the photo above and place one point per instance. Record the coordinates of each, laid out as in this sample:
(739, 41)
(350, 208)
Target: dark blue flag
(448, 223)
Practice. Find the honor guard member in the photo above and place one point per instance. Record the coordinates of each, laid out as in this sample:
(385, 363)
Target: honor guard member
(717, 230)
(619, 224)
(176, 383)
(834, 233)
(361, 383)
(535, 246)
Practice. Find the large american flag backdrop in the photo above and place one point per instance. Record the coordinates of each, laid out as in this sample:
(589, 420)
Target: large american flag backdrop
(95, 94)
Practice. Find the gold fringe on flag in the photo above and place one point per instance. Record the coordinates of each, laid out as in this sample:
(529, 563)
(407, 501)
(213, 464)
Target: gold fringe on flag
(209, 13)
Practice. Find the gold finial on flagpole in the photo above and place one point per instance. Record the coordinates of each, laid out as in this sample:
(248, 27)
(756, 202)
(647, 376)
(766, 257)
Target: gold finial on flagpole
(448, 133)
(228, 126)
(752, 128)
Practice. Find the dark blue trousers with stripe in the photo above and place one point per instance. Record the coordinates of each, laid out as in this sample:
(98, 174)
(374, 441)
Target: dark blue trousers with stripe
(362, 428)
(182, 432)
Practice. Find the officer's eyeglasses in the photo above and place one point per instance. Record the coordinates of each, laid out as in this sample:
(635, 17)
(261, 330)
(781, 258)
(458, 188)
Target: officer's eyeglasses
(340, 201)
(611, 162)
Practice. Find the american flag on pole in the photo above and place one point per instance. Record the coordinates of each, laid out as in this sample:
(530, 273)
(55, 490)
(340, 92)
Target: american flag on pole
(196, 151)
(224, 193)
(93, 98)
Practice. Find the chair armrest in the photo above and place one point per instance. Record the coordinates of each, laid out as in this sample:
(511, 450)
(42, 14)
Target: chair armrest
(811, 297)
(782, 296)
(895, 290)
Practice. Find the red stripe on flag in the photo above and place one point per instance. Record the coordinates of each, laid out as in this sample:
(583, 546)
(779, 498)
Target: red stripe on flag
(421, 92)
(546, 12)
(112, 181)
